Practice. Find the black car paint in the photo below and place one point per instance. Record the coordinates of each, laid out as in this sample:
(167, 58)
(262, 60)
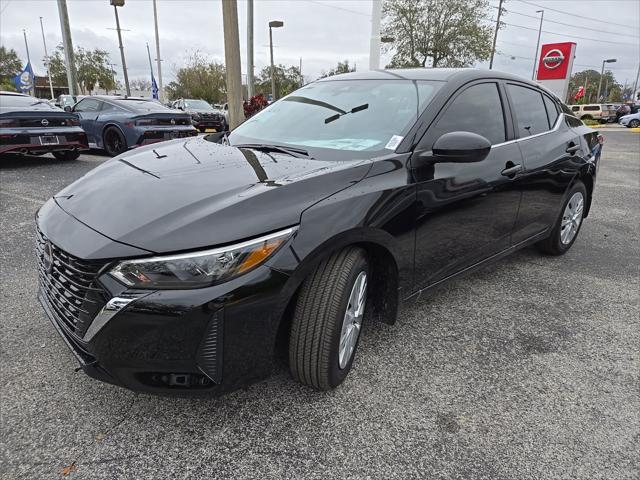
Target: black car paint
(420, 224)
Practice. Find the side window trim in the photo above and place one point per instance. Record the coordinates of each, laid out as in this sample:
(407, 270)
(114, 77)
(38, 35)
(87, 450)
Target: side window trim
(452, 98)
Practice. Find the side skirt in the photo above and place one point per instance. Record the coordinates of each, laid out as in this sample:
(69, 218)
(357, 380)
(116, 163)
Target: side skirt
(472, 268)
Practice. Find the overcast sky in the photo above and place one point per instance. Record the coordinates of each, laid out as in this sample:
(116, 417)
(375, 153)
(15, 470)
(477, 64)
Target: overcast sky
(322, 32)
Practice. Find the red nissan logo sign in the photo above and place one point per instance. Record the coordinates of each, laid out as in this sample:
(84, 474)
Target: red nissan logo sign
(553, 59)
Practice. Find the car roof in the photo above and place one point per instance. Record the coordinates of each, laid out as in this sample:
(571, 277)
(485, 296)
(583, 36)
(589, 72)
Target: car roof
(15, 94)
(459, 75)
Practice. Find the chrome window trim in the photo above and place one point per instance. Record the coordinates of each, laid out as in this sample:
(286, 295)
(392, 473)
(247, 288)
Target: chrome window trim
(556, 126)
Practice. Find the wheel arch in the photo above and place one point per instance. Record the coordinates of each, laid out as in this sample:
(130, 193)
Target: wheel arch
(110, 125)
(384, 278)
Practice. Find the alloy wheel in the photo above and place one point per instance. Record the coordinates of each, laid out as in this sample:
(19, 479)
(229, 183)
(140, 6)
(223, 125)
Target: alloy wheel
(352, 321)
(571, 218)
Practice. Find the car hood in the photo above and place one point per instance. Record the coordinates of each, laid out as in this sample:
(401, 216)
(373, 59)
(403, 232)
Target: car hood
(187, 194)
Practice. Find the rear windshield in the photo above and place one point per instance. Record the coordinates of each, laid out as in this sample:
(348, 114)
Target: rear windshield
(142, 105)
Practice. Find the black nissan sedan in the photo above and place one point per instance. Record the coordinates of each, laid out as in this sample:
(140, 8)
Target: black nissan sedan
(30, 125)
(189, 266)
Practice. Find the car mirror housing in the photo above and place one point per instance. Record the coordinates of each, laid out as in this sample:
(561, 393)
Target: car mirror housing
(461, 147)
(67, 108)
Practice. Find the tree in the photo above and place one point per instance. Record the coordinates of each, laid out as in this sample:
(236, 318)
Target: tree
(10, 66)
(92, 66)
(200, 78)
(590, 79)
(141, 84)
(287, 80)
(452, 33)
(342, 67)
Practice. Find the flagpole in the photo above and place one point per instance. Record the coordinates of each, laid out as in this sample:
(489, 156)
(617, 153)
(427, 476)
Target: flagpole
(150, 64)
(46, 56)
(24, 32)
(153, 80)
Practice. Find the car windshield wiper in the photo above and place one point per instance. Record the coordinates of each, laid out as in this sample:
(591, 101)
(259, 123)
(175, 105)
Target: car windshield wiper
(265, 147)
(335, 117)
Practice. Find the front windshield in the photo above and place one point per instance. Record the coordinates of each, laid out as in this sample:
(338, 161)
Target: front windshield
(348, 115)
(199, 104)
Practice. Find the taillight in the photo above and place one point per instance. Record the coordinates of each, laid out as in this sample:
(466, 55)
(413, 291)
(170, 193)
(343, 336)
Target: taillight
(9, 123)
(146, 122)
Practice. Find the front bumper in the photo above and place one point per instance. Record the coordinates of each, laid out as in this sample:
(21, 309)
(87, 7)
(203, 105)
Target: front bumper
(40, 140)
(185, 342)
(219, 125)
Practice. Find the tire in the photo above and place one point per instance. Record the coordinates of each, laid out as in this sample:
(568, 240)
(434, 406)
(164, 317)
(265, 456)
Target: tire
(320, 316)
(67, 155)
(114, 141)
(634, 123)
(560, 240)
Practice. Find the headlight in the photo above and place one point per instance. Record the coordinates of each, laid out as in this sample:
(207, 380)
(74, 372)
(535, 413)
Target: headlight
(199, 269)
(195, 117)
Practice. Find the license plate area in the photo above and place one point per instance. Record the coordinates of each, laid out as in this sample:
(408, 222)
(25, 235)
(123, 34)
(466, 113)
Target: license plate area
(49, 140)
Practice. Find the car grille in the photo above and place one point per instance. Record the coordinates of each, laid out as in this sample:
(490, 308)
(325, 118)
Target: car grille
(211, 116)
(68, 285)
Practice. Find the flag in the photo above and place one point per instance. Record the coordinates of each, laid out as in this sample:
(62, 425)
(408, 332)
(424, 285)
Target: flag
(580, 93)
(24, 80)
(154, 88)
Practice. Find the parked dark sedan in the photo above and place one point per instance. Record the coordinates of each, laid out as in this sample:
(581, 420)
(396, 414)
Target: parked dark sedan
(30, 125)
(203, 115)
(119, 123)
(188, 267)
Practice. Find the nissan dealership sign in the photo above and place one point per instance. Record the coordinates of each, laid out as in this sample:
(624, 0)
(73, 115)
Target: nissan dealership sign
(555, 65)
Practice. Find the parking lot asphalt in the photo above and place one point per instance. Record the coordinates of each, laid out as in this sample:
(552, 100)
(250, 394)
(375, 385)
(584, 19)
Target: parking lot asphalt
(528, 368)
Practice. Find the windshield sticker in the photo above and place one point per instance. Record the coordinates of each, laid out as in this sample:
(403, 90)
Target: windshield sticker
(353, 144)
(394, 142)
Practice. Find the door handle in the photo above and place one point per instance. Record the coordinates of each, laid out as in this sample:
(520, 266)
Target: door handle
(511, 169)
(572, 148)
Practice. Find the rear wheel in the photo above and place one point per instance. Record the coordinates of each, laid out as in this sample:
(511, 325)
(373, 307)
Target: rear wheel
(67, 155)
(327, 320)
(566, 229)
(634, 123)
(114, 141)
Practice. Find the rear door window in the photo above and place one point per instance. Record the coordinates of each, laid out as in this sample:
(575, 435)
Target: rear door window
(530, 111)
(552, 110)
(592, 108)
(478, 109)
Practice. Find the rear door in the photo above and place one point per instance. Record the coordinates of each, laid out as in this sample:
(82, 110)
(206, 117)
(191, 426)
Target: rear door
(88, 110)
(466, 211)
(551, 152)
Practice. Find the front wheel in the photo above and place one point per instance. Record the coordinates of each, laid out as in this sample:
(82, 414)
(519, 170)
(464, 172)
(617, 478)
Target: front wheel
(327, 320)
(568, 225)
(67, 155)
(114, 141)
(634, 123)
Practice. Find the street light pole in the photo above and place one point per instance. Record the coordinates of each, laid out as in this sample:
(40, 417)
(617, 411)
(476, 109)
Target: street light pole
(158, 59)
(46, 57)
(535, 59)
(495, 35)
(374, 42)
(116, 4)
(608, 60)
(273, 24)
(69, 57)
(249, 49)
(232, 62)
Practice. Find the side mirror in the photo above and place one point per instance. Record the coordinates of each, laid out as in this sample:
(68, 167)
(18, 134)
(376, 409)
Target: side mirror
(461, 147)
(67, 108)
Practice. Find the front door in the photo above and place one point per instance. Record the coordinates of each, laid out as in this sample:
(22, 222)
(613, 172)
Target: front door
(87, 109)
(466, 211)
